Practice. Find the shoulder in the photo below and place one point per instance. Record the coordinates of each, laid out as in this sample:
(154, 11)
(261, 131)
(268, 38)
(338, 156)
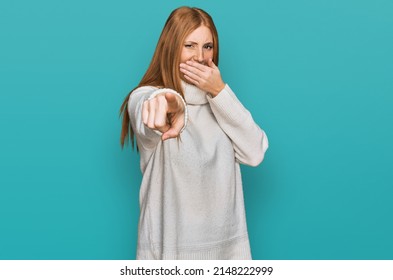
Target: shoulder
(143, 90)
(141, 93)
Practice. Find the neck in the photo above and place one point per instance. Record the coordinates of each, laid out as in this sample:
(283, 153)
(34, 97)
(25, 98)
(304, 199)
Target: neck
(193, 95)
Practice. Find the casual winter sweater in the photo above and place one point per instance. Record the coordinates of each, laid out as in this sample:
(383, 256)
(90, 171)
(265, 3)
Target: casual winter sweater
(191, 196)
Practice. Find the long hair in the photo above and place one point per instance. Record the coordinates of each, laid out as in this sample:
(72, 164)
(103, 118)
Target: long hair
(163, 71)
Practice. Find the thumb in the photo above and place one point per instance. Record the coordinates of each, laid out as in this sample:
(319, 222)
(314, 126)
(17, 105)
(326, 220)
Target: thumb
(173, 103)
(177, 123)
(170, 97)
(171, 133)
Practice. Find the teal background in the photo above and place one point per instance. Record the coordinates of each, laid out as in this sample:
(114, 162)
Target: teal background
(316, 75)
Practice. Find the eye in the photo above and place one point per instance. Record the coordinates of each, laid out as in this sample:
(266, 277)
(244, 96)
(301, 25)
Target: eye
(208, 46)
(188, 45)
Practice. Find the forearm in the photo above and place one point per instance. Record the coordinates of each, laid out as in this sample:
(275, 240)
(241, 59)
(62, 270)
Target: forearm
(146, 137)
(149, 110)
(249, 140)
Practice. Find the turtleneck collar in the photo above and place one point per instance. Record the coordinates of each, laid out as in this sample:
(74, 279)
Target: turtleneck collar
(193, 95)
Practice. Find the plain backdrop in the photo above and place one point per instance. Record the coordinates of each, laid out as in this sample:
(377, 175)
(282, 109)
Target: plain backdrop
(315, 74)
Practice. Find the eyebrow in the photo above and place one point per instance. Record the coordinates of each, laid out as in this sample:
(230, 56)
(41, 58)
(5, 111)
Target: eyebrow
(195, 43)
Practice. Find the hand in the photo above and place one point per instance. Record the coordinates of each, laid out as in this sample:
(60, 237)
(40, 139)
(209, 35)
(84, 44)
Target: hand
(205, 77)
(165, 113)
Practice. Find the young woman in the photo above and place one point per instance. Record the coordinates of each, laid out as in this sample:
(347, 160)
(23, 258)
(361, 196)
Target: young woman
(192, 133)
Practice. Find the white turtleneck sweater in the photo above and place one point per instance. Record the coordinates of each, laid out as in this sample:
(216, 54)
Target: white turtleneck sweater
(191, 196)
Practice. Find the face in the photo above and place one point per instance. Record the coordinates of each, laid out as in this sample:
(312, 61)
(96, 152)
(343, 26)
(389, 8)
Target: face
(198, 46)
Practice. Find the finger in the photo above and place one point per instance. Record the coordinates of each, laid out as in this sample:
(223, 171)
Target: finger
(171, 133)
(177, 123)
(192, 81)
(211, 64)
(174, 131)
(170, 98)
(197, 65)
(174, 105)
(160, 120)
(192, 69)
(190, 74)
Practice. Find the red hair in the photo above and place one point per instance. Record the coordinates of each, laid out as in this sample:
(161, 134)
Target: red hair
(163, 70)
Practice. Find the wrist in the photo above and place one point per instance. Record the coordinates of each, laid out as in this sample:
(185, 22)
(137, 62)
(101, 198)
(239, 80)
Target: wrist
(218, 89)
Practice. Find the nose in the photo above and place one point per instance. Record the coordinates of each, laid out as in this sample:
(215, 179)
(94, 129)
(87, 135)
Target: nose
(199, 56)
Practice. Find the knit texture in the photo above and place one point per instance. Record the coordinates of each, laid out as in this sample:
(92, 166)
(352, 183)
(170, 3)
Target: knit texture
(191, 195)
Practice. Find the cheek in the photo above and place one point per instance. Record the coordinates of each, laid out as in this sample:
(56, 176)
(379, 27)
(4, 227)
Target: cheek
(208, 55)
(185, 55)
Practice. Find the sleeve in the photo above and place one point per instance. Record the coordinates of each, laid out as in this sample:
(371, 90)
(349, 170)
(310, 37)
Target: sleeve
(147, 138)
(249, 140)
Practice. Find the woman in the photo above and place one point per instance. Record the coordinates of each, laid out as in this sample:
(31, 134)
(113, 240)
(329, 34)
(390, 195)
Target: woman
(192, 133)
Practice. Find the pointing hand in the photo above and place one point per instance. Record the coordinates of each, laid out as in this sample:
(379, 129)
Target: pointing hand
(165, 113)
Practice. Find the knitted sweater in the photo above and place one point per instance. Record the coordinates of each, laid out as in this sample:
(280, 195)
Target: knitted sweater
(191, 196)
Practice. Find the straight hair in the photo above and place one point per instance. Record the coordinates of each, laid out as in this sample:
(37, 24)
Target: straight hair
(163, 71)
